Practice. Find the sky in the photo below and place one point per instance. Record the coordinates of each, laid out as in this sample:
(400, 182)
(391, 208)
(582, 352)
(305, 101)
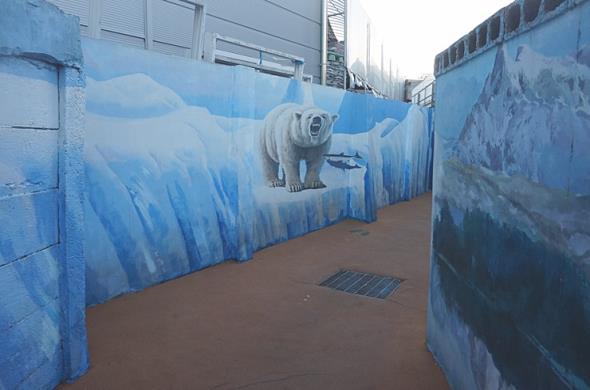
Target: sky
(415, 31)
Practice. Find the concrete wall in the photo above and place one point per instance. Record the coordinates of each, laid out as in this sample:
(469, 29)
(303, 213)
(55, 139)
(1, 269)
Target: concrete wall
(174, 165)
(510, 289)
(42, 329)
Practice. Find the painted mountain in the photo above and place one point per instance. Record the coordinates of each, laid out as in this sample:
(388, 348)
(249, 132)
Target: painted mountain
(511, 259)
(547, 97)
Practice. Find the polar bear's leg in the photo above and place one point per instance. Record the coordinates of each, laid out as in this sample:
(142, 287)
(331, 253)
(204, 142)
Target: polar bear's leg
(270, 170)
(312, 177)
(292, 178)
(314, 159)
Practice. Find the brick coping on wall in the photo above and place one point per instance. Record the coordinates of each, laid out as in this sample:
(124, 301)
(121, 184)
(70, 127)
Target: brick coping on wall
(510, 21)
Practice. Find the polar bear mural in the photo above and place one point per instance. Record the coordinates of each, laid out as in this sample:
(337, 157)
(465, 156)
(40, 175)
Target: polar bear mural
(291, 133)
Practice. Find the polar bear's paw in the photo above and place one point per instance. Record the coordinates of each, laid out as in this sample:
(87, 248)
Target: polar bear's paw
(276, 183)
(295, 187)
(314, 184)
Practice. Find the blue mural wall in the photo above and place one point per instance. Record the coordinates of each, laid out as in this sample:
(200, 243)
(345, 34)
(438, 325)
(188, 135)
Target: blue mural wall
(42, 302)
(510, 280)
(189, 164)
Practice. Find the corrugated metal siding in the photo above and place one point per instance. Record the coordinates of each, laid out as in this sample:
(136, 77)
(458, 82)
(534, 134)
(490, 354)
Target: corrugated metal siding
(310, 9)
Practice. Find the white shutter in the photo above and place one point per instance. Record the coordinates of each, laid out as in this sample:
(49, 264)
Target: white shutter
(80, 8)
(173, 27)
(122, 38)
(123, 21)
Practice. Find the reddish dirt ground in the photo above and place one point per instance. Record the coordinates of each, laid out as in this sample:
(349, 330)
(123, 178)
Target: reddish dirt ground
(266, 324)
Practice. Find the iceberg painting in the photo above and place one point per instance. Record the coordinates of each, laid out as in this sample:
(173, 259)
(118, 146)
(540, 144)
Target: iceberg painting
(509, 305)
(186, 172)
(533, 94)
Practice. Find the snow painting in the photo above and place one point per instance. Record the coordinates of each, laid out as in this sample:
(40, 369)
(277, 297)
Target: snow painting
(175, 173)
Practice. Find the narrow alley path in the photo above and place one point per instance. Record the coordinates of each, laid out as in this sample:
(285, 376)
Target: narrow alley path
(266, 324)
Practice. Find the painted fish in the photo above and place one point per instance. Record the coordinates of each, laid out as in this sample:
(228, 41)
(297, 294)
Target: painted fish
(342, 164)
(342, 155)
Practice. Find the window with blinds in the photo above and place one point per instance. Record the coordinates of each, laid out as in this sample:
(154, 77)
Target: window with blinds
(166, 26)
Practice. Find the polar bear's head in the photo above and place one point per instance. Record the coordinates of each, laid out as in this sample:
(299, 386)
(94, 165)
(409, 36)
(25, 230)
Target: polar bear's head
(312, 126)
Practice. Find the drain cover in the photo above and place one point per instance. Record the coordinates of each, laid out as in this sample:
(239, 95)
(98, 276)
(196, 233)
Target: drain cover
(361, 283)
(359, 232)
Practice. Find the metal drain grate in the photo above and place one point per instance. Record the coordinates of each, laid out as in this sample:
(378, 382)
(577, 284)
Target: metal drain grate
(360, 283)
(359, 232)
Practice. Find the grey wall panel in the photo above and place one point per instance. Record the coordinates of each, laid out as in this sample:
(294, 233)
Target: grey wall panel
(263, 16)
(308, 9)
(312, 56)
(291, 26)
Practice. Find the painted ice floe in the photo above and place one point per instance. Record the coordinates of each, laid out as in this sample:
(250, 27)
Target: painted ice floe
(135, 96)
(173, 188)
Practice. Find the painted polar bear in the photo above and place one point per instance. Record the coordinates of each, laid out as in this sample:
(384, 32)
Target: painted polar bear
(292, 133)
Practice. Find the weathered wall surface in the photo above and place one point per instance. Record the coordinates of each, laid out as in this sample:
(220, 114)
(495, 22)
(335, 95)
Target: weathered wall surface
(510, 289)
(174, 164)
(42, 330)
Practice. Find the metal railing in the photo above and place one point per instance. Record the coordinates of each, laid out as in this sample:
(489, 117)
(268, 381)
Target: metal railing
(212, 54)
(425, 96)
